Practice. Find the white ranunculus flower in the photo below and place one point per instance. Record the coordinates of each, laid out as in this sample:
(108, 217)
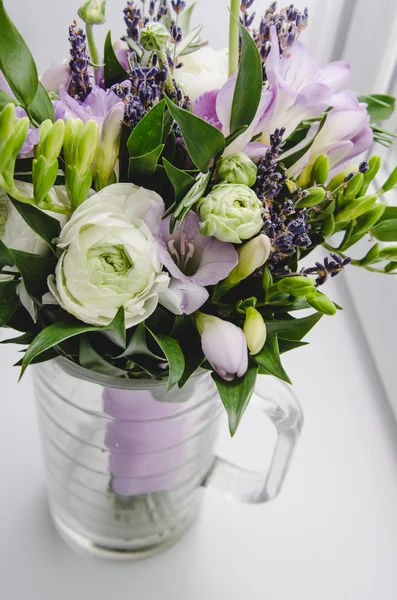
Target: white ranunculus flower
(202, 71)
(110, 258)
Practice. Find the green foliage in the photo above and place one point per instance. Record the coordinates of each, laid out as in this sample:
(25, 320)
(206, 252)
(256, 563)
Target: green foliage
(269, 359)
(249, 83)
(196, 192)
(385, 231)
(113, 70)
(293, 329)
(174, 356)
(291, 159)
(45, 226)
(236, 395)
(380, 106)
(8, 300)
(181, 181)
(203, 141)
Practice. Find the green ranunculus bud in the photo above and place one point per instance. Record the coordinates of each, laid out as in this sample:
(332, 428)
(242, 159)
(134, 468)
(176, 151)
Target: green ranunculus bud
(320, 169)
(237, 168)
(231, 213)
(154, 37)
(93, 12)
(254, 330)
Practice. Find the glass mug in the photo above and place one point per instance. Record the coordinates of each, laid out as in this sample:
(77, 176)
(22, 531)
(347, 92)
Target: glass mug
(126, 461)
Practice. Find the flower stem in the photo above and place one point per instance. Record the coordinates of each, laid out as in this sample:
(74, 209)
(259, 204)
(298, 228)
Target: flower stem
(234, 36)
(94, 54)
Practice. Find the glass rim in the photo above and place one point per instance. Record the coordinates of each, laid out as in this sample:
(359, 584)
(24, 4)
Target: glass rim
(85, 374)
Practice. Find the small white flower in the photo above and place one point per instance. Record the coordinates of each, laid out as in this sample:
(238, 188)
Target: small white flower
(202, 71)
(110, 259)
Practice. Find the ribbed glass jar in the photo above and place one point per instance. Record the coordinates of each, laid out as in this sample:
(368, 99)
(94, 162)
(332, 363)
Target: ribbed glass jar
(124, 466)
(126, 460)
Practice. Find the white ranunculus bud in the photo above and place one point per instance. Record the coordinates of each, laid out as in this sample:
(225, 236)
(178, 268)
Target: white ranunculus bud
(110, 258)
(203, 71)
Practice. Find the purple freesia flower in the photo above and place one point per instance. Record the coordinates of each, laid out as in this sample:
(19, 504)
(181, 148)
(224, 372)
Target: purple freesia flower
(346, 134)
(194, 262)
(96, 106)
(224, 346)
(32, 137)
(216, 108)
(56, 76)
(301, 89)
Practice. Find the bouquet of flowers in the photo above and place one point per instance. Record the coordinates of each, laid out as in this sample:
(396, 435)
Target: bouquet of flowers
(155, 209)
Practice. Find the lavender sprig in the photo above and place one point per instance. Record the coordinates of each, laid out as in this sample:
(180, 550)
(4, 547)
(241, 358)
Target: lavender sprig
(133, 20)
(80, 85)
(269, 178)
(329, 268)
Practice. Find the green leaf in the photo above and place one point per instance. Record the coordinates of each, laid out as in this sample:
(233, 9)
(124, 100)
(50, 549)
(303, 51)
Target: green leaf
(293, 158)
(22, 340)
(203, 140)
(40, 222)
(6, 257)
(293, 329)
(390, 267)
(356, 208)
(388, 253)
(16, 61)
(35, 270)
(113, 70)
(42, 108)
(236, 395)
(390, 212)
(189, 339)
(8, 300)
(184, 19)
(380, 106)
(6, 99)
(196, 192)
(269, 359)
(90, 359)
(385, 231)
(181, 181)
(59, 332)
(390, 183)
(148, 134)
(143, 167)
(138, 344)
(174, 356)
(248, 90)
(288, 345)
(115, 331)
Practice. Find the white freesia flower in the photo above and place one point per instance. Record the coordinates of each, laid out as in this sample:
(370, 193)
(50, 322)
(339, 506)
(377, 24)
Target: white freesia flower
(110, 259)
(202, 71)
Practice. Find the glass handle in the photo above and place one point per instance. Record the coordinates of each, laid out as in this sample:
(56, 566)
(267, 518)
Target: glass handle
(277, 401)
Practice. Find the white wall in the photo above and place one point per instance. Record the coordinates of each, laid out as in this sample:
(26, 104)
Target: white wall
(44, 24)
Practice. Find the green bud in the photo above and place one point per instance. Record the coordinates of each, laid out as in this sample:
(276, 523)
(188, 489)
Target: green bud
(267, 281)
(356, 208)
(338, 180)
(109, 144)
(7, 121)
(73, 130)
(320, 169)
(87, 146)
(254, 330)
(371, 256)
(4, 209)
(388, 253)
(237, 168)
(10, 147)
(93, 12)
(296, 286)
(369, 219)
(353, 186)
(154, 37)
(374, 164)
(316, 196)
(251, 256)
(321, 303)
(77, 186)
(328, 210)
(43, 176)
(389, 268)
(51, 144)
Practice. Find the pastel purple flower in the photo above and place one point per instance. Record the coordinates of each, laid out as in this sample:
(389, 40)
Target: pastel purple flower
(96, 106)
(194, 261)
(32, 137)
(216, 108)
(56, 76)
(224, 346)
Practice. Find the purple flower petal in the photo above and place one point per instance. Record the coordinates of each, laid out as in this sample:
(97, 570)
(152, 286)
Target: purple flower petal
(55, 76)
(183, 297)
(336, 75)
(205, 107)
